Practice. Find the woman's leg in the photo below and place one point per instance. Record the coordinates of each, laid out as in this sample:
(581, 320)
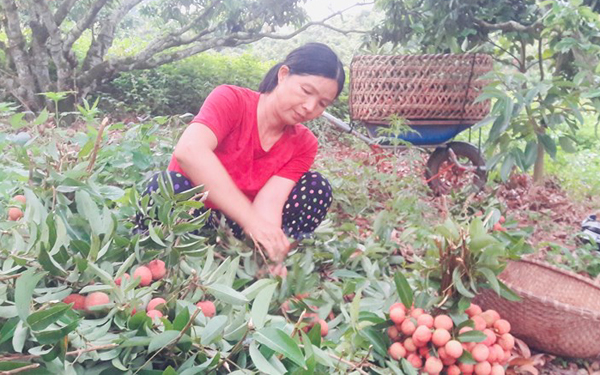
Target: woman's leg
(306, 205)
(303, 211)
(180, 184)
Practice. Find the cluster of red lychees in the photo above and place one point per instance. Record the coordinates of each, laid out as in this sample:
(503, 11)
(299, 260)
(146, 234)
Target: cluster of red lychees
(430, 343)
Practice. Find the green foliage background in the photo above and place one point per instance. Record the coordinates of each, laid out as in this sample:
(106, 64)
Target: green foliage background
(180, 87)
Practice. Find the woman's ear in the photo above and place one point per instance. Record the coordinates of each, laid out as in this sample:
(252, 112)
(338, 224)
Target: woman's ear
(283, 72)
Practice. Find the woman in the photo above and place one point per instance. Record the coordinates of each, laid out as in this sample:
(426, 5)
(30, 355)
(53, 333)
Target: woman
(253, 156)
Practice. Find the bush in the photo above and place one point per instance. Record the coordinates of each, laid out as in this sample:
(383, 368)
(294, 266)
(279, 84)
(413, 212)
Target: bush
(180, 87)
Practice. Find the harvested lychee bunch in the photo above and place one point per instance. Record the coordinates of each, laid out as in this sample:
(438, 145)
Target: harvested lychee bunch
(435, 345)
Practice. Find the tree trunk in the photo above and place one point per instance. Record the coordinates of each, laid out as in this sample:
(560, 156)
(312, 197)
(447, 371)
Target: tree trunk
(24, 88)
(39, 47)
(538, 168)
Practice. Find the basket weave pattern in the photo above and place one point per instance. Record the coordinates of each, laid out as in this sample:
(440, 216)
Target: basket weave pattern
(418, 87)
(559, 311)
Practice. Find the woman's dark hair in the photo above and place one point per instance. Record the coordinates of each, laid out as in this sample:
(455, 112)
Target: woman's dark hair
(311, 59)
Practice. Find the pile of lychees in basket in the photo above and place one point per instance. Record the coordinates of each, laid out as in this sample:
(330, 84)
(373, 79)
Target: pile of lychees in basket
(436, 344)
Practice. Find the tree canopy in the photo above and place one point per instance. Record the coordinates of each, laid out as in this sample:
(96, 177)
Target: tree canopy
(67, 45)
(547, 72)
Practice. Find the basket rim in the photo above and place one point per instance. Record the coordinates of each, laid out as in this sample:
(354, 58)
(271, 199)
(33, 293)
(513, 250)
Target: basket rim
(584, 312)
(423, 55)
(473, 111)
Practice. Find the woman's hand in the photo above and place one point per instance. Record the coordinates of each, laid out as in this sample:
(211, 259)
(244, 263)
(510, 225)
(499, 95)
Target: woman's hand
(270, 236)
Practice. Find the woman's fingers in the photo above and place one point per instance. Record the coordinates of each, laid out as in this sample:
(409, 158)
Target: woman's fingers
(271, 238)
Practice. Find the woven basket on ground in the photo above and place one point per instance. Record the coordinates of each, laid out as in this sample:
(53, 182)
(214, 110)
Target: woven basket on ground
(559, 311)
(438, 88)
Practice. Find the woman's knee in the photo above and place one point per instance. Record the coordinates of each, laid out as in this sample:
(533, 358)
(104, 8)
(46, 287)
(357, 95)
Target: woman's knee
(180, 182)
(307, 204)
(316, 188)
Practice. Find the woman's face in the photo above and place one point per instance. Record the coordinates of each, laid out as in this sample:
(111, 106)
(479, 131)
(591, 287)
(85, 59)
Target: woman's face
(302, 97)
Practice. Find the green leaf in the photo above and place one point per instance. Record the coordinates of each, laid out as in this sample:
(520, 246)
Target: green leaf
(161, 340)
(503, 121)
(17, 121)
(408, 368)
(154, 236)
(472, 336)
(252, 291)
(480, 242)
(261, 363)
(260, 306)
(507, 293)
(404, 290)
(491, 278)
(42, 117)
(309, 353)
(463, 304)
(8, 329)
(88, 209)
(20, 336)
(467, 358)
(125, 266)
(376, 338)
(40, 320)
(227, 294)
(591, 94)
(50, 337)
(355, 308)
(549, 144)
(136, 341)
(465, 323)
(86, 149)
(567, 144)
(322, 357)
(182, 319)
(213, 329)
(49, 264)
(530, 154)
(458, 284)
(106, 278)
(279, 341)
(507, 167)
(24, 290)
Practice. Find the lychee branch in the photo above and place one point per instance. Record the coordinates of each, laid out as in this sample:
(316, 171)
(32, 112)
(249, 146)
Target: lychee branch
(71, 353)
(21, 369)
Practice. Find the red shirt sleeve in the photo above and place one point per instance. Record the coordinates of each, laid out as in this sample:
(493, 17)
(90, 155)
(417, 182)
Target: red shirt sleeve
(221, 111)
(302, 160)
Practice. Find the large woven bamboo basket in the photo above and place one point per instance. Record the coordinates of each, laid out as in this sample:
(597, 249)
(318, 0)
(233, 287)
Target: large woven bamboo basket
(559, 311)
(419, 88)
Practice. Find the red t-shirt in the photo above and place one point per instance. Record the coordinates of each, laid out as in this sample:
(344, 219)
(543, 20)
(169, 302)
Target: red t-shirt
(230, 112)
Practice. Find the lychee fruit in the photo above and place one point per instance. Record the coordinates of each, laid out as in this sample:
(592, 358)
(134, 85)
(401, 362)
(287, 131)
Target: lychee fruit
(157, 269)
(208, 308)
(95, 299)
(119, 279)
(77, 300)
(154, 314)
(154, 303)
(144, 274)
(14, 213)
(397, 351)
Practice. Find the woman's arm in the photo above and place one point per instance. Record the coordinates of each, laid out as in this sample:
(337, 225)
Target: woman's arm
(195, 154)
(270, 199)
